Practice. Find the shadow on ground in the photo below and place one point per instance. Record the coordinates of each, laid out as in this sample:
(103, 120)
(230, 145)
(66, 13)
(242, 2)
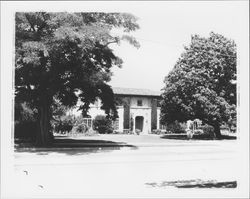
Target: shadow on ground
(70, 146)
(195, 137)
(194, 184)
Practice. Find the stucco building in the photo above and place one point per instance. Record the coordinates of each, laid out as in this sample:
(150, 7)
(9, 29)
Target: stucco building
(138, 110)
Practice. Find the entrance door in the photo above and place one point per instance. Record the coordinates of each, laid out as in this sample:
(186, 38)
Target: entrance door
(139, 123)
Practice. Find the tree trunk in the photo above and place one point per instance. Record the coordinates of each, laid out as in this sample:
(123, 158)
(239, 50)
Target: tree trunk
(44, 136)
(217, 130)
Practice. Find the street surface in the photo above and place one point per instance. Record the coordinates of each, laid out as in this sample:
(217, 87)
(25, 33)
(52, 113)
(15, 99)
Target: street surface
(111, 172)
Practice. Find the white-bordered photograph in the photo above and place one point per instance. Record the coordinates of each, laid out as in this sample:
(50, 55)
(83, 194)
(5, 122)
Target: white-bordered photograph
(123, 99)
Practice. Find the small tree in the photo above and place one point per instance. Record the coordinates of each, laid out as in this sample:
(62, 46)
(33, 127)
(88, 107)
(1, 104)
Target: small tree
(203, 83)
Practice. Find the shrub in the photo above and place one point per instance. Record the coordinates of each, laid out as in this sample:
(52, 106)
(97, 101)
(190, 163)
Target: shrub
(156, 131)
(137, 131)
(205, 132)
(176, 127)
(102, 124)
(159, 131)
(198, 132)
(25, 130)
(117, 132)
(233, 129)
(80, 128)
(208, 130)
(65, 124)
(25, 125)
(90, 132)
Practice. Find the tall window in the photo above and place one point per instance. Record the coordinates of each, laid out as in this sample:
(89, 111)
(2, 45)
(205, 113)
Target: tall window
(139, 102)
(87, 122)
(162, 127)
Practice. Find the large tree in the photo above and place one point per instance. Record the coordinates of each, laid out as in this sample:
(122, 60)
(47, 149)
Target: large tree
(202, 83)
(67, 56)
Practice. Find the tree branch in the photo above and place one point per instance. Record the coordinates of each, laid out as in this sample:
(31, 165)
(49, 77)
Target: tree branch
(31, 24)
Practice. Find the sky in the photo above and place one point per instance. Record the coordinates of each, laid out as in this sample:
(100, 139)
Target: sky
(165, 28)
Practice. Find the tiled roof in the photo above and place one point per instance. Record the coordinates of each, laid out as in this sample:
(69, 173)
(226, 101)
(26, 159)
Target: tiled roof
(135, 91)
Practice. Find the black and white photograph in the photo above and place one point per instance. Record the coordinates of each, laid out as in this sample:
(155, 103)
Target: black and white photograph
(124, 99)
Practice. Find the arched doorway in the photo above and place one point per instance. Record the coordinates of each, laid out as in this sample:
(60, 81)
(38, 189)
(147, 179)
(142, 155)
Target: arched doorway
(139, 123)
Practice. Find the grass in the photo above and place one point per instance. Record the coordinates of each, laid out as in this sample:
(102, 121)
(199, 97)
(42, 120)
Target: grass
(112, 140)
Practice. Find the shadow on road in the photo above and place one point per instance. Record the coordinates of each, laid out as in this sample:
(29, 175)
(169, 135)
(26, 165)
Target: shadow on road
(195, 137)
(70, 146)
(195, 184)
(70, 142)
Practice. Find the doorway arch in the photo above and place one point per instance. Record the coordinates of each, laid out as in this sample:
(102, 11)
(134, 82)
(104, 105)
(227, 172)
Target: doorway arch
(139, 123)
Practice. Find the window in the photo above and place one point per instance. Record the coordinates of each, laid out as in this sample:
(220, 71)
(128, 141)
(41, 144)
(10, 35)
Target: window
(139, 102)
(87, 122)
(162, 127)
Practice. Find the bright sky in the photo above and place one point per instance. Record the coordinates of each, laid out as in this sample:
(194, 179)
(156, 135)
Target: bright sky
(165, 28)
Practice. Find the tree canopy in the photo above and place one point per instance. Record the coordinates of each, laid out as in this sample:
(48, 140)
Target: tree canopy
(67, 56)
(202, 83)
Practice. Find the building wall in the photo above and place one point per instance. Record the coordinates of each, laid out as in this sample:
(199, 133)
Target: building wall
(128, 110)
(144, 110)
(158, 117)
(120, 111)
(146, 114)
(154, 116)
(146, 102)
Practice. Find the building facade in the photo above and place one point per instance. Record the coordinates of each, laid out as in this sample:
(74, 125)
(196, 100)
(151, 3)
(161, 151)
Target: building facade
(138, 110)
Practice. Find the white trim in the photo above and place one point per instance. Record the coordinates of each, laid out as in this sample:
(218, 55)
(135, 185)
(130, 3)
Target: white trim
(140, 107)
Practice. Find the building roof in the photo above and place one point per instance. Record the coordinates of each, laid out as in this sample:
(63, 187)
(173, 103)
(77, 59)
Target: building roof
(135, 91)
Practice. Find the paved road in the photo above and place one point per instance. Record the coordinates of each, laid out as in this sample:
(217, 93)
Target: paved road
(125, 172)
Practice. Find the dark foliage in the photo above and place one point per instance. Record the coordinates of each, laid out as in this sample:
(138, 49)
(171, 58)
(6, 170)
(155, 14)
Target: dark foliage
(65, 124)
(67, 56)
(80, 126)
(202, 83)
(207, 131)
(25, 130)
(176, 127)
(102, 124)
(25, 125)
